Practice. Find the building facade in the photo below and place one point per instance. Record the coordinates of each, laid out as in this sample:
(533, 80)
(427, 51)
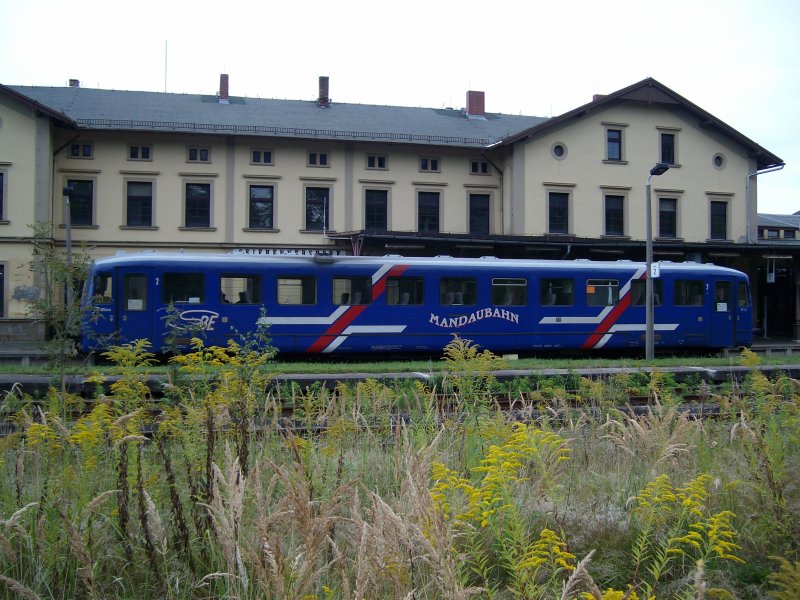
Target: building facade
(138, 171)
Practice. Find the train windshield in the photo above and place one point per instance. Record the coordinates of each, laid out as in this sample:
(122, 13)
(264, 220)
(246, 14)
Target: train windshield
(102, 288)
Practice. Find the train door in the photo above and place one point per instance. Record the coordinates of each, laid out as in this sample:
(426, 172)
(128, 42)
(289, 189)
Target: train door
(135, 306)
(723, 315)
(744, 315)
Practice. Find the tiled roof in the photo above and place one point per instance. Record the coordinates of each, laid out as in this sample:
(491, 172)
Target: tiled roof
(781, 221)
(154, 111)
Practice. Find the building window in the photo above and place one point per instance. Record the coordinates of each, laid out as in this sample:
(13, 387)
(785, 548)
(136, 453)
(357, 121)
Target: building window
(259, 156)
(615, 215)
(558, 212)
(376, 203)
(318, 159)
(139, 204)
(2, 195)
(428, 211)
(405, 291)
(349, 291)
(240, 289)
(718, 161)
(317, 208)
(559, 150)
(668, 148)
(81, 201)
(377, 161)
(198, 154)
(297, 290)
(81, 150)
(479, 214)
(140, 152)
(479, 167)
(668, 217)
(613, 144)
(261, 211)
(429, 164)
(719, 220)
(198, 205)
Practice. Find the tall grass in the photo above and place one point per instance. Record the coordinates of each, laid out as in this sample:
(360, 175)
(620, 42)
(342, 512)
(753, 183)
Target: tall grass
(226, 497)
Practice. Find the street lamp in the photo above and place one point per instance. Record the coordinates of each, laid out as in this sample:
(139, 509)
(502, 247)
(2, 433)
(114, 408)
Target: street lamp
(658, 169)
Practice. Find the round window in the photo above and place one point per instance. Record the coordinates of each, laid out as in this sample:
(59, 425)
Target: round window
(719, 161)
(559, 150)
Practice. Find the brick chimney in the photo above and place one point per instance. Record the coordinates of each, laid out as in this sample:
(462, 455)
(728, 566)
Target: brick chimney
(74, 83)
(223, 88)
(323, 100)
(476, 105)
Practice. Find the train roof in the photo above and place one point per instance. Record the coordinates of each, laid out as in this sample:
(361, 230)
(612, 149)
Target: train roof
(241, 259)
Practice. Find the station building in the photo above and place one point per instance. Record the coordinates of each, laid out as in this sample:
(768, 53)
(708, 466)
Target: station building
(148, 171)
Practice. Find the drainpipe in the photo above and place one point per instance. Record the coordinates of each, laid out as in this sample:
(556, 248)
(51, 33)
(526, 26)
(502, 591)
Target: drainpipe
(749, 200)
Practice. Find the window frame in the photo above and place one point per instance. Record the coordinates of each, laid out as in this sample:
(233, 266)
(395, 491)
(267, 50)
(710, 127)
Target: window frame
(608, 217)
(663, 152)
(262, 152)
(93, 200)
(326, 214)
(611, 285)
(139, 148)
(367, 210)
(186, 184)
(397, 286)
(566, 297)
(429, 195)
(183, 282)
(82, 151)
(199, 150)
(126, 207)
(429, 164)
(351, 290)
(3, 195)
(458, 291)
(376, 158)
(237, 284)
(281, 281)
(250, 226)
(551, 195)
(639, 292)
(321, 159)
(480, 167)
(688, 290)
(507, 286)
(714, 220)
(661, 213)
(619, 155)
(471, 212)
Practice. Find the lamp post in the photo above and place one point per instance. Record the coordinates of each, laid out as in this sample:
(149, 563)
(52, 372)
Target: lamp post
(658, 169)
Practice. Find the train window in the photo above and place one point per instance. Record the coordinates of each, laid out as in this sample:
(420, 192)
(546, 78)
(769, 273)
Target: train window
(457, 290)
(639, 292)
(240, 289)
(742, 295)
(556, 292)
(405, 290)
(103, 288)
(183, 287)
(689, 292)
(602, 292)
(134, 291)
(722, 296)
(297, 290)
(509, 291)
(352, 290)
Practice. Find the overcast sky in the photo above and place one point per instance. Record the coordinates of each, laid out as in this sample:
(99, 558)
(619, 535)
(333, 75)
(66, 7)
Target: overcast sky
(737, 59)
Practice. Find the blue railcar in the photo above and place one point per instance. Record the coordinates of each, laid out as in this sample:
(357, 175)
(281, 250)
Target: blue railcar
(391, 304)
